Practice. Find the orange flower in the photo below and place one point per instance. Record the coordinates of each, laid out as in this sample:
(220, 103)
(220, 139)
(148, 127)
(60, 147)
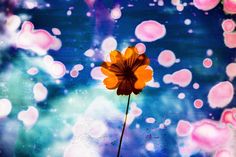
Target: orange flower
(128, 72)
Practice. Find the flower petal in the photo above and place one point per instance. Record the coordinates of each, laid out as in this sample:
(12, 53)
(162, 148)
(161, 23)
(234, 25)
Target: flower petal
(143, 75)
(116, 57)
(141, 60)
(130, 56)
(111, 82)
(105, 71)
(108, 68)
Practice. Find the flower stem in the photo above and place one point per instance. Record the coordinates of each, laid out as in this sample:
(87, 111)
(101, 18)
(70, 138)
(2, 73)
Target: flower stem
(123, 129)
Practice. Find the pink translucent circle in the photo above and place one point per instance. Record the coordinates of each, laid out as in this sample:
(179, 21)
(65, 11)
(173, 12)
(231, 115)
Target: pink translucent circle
(182, 77)
(166, 58)
(221, 94)
(97, 74)
(116, 13)
(40, 92)
(167, 122)
(160, 3)
(150, 120)
(183, 128)
(181, 96)
(209, 52)
(88, 14)
(180, 7)
(175, 2)
(230, 39)
(56, 31)
(187, 21)
(161, 126)
(229, 6)
(141, 48)
(150, 31)
(57, 69)
(207, 63)
(78, 67)
(29, 117)
(74, 73)
(89, 53)
(205, 5)
(150, 146)
(5, 107)
(48, 60)
(198, 103)
(137, 112)
(196, 86)
(167, 78)
(228, 25)
(231, 70)
(109, 44)
(32, 71)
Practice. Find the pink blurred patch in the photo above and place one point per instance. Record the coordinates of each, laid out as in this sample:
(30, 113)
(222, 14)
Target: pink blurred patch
(181, 96)
(230, 39)
(33, 71)
(39, 41)
(150, 31)
(223, 153)
(40, 92)
(207, 63)
(74, 73)
(228, 25)
(167, 78)
(166, 58)
(89, 53)
(198, 103)
(182, 77)
(5, 108)
(153, 84)
(136, 111)
(78, 67)
(141, 48)
(230, 6)
(56, 31)
(229, 117)
(209, 135)
(205, 5)
(97, 74)
(180, 7)
(221, 94)
(184, 128)
(116, 13)
(57, 69)
(150, 120)
(90, 3)
(231, 70)
(196, 86)
(29, 117)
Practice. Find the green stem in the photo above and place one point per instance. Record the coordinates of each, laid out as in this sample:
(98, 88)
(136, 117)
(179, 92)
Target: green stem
(124, 125)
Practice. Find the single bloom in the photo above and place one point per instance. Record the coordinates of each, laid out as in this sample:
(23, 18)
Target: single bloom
(127, 72)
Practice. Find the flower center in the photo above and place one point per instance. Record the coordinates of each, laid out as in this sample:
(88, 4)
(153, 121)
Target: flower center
(128, 73)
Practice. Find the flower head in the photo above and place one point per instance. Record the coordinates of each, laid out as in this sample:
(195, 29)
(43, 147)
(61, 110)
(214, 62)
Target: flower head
(127, 72)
